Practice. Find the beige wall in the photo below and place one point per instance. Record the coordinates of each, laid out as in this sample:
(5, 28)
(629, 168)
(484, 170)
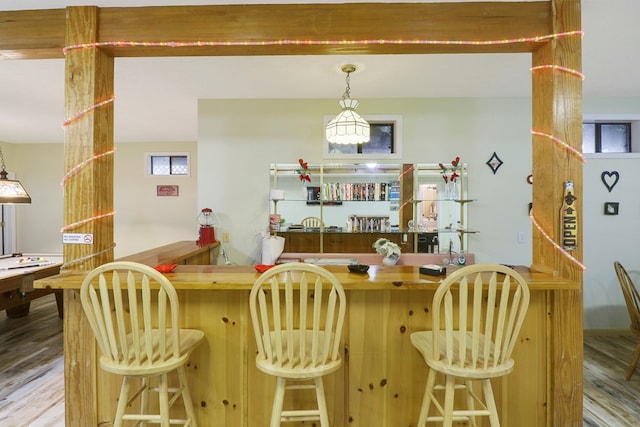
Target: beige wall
(39, 167)
(238, 139)
(142, 219)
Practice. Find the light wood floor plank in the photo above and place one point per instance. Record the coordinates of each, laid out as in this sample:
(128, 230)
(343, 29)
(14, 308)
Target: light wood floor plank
(609, 400)
(32, 380)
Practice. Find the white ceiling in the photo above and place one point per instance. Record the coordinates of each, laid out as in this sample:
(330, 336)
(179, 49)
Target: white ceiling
(156, 98)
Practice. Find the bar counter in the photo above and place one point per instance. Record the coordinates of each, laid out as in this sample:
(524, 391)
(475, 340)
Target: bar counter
(382, 380)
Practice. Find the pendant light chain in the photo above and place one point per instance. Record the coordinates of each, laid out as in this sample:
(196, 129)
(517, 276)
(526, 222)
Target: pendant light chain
(347, 91)
(2, 165)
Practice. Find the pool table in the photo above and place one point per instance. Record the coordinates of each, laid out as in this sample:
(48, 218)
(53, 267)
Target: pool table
(17, 273)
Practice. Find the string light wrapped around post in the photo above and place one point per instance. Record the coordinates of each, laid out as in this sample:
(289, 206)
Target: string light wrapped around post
(348, 127)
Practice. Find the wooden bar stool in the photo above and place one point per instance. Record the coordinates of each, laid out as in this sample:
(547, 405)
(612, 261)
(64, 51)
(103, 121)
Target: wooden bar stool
(471, 340)
(140, 340)
(632, 299)
(298, 312)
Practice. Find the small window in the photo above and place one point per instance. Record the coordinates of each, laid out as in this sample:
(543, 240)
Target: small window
(168, 164)
(385, 142)
(381, 142)
(606, 137)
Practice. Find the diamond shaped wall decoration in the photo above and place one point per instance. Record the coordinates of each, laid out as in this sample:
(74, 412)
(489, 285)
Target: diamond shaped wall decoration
(494, 163)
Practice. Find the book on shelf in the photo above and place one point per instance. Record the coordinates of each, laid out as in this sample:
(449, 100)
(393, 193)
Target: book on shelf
(356, 191)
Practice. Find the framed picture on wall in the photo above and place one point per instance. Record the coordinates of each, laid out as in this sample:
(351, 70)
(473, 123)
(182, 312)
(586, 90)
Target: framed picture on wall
(167, 190)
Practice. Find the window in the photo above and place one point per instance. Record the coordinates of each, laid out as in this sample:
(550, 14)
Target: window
(606, 137)
(165, 164)
(381, 142)
(386, 141)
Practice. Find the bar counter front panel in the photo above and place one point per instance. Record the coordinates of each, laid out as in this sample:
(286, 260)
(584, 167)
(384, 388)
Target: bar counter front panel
(382, 380)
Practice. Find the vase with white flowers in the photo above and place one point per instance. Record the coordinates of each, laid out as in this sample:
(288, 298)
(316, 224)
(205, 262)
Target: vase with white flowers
(389, 250)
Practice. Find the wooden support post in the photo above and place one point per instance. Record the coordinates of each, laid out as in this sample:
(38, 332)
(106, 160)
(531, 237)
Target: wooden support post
(557, 111)
(88, 194)
(89, 189)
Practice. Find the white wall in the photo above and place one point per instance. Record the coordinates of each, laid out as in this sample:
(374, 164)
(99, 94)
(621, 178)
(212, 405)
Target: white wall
(142, 219)
(238, 139)
(610, 238)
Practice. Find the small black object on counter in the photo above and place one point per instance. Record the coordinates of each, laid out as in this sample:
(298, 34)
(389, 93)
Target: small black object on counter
(358, 268)
(433, 270)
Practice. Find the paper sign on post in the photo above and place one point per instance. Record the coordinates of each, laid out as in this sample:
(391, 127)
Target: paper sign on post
(77, 238)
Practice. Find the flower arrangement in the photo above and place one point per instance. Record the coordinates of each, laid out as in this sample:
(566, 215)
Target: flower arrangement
(387, 248)
(303, 172)
(453, 170)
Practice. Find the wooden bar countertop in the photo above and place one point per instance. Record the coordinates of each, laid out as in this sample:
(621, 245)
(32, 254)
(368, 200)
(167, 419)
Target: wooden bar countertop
(242, 277)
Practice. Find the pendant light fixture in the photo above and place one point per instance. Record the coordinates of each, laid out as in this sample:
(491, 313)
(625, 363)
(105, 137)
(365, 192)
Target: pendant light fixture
(11, 191)
(348, 127)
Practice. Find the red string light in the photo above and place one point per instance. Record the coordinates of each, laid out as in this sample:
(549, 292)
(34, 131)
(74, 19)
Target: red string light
(561, 143)
(555, 245)
(86, 111)
(174, 44)
(74, 170)
(86, 257)
(85, 221)
(558, 68)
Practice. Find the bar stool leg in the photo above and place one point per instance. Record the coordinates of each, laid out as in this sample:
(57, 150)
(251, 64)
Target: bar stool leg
(186, 396)
(122, 401)
(278, 401)
(426, 400)
(322, 404)
(491, 403)
(163, 390)
(470, 401)
(450, 388)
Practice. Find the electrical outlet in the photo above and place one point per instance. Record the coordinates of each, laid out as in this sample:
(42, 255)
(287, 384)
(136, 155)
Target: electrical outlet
(225, 237)
(521, 237)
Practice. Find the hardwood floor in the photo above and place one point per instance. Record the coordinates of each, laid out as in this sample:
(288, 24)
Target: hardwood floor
(32, 387)
(609, 400)
(32, 381)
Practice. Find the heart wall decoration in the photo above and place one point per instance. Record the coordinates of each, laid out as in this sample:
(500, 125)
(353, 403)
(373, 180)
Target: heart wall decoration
(610, 179)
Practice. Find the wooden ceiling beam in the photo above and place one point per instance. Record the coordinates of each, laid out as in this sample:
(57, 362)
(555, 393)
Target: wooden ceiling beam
(40, 34)
(32, 34)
